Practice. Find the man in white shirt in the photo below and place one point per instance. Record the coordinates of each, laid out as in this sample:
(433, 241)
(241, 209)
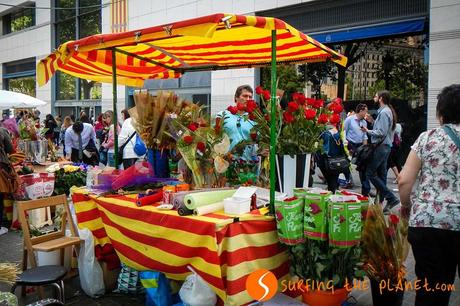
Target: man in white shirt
(356, 138)
(80, 143)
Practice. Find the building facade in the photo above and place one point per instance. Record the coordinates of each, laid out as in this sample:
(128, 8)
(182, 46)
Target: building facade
(30, 30)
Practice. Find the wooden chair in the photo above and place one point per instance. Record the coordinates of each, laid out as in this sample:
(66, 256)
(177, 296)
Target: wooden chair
(51, 241)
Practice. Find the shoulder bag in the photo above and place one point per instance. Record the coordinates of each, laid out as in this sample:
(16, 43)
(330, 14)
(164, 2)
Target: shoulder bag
(339, 163)
(362, 156)
(122, 148)
(452, 135)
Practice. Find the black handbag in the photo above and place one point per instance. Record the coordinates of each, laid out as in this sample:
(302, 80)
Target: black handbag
(337, 164)
(363, 155)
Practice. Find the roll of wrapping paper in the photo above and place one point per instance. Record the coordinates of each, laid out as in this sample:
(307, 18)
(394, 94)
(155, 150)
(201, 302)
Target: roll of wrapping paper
(184, 211)
(198, 199)
(150, 199)
(178, 197)
(211, 208)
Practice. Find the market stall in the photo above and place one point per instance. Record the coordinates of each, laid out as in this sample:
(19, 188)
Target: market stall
(221, 249)
(214, 42)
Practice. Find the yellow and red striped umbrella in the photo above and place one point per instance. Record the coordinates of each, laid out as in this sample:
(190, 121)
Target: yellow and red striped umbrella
(218, 41)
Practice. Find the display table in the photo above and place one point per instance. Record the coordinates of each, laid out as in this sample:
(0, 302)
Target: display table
(222, 249)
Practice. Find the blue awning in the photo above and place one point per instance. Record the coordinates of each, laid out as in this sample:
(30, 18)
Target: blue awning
(374, 31)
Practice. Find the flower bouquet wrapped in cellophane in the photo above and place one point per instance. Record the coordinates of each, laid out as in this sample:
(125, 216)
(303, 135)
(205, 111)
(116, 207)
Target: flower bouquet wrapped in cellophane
(203, 148)
(385, 245)
(150, 113)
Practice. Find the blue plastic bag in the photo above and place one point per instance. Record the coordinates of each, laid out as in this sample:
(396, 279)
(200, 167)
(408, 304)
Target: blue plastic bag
(139, 147)
(157, 289)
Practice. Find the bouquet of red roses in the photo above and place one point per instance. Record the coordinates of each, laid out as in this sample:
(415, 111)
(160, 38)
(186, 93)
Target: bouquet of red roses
(299, 125)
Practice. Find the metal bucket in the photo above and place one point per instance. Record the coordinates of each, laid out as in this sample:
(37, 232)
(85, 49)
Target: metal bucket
(35, 151)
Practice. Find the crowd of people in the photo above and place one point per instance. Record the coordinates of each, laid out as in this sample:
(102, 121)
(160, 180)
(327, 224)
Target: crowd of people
(429, 182)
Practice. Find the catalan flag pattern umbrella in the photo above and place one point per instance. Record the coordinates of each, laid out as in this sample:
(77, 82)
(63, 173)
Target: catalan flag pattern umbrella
(220, 41)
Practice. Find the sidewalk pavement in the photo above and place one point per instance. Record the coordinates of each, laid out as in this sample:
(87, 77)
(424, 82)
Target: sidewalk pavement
(11, 251)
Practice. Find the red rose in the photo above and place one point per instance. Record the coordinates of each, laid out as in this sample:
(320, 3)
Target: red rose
(310, 114)
(266, 95)
(338, 108)
(232, 109)
(318, 103)
(322, 119)
(267, 117)
(292, 106)
(188, 139)
(299, 98)
(342, 219)
(394, 219)
(241, 106)
(201, 146)
(334, 119)
(288, 117)
(310, 101)
(253, 136)
(259, 90)
(251, 105)
(193, 126)
(296, 96)
(252, 116)
(338, 100)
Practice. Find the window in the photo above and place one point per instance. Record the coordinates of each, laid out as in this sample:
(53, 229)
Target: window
(19, 20)
(84, 19)
(19, 76)
(193, 86)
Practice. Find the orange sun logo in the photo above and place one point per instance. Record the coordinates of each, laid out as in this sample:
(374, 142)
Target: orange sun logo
(261, 285)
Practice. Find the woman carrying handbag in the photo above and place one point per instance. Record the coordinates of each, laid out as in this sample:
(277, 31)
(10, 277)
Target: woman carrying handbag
(333, 160)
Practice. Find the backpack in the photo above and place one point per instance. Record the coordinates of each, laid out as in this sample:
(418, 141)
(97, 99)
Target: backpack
(139, 147)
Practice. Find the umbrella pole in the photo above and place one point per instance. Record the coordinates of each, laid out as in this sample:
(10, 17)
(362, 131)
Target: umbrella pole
(273, 125)
(115, 112)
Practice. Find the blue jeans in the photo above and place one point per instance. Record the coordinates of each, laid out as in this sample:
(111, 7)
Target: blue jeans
(111, 159)
(377, 173)
(365, 184)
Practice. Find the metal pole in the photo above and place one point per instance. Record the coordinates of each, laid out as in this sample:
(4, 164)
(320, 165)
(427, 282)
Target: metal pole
(115, 112)
(273, 126)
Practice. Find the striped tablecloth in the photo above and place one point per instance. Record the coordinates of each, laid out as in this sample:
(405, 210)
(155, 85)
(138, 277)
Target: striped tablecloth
(222, 250)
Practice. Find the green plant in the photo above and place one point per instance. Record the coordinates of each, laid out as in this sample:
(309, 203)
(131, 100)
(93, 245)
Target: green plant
(65, 180)
(316, 260)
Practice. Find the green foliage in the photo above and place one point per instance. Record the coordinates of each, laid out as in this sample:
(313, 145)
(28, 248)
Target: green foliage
(25, 85)
(378, 86)
(407, 77)
(287, 79)
(317, 74)
(318, 261)
(65, 180)
(21, 23)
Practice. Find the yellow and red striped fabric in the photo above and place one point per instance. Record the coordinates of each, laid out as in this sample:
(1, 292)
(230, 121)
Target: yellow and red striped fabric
(119, 15)
(167, 51)
(223, 252)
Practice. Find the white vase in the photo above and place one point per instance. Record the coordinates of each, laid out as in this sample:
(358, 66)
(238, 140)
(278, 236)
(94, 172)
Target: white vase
(292, 172)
